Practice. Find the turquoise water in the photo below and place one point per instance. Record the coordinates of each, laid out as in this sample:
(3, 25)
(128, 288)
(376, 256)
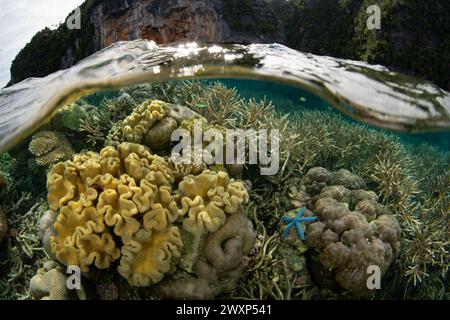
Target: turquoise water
(290, 99)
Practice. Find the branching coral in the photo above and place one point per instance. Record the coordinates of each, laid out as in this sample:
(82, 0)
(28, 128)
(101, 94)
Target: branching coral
(208, 198)
(50, 147)
(21, 255)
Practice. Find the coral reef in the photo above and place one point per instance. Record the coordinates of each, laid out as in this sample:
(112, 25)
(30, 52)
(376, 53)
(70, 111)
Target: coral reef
(219, 265)
(126, 191)
(50, 147)
(345, 241)
(22, 253)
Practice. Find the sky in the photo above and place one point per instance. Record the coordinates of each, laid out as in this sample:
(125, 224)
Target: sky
(21, 19)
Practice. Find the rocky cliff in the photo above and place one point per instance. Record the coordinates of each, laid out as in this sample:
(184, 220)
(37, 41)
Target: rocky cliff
(414, 37)
(107, 21)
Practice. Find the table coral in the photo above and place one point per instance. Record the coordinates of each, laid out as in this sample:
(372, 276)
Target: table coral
(50, 147)
(206, 199)
(347, 242)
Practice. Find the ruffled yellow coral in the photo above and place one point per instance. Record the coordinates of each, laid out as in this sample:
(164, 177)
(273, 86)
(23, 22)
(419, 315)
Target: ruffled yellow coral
(149, 255)
(207, 198)
(136, 125)
(125, 188)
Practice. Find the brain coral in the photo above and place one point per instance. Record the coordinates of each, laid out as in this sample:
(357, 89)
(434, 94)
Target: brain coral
(50, 147)
(208, 198)
(354, 232)
(116, 192)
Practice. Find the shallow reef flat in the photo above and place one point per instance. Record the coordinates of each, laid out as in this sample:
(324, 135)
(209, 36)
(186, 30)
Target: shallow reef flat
(96, 187)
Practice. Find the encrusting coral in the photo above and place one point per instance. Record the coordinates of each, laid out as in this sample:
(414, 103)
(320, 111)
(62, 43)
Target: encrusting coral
(50, 147)
(354, 231)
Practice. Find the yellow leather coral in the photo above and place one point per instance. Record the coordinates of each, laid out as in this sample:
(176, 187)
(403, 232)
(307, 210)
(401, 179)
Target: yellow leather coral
(125, 188)
(136, 125)
(149, 255)
(207, 198)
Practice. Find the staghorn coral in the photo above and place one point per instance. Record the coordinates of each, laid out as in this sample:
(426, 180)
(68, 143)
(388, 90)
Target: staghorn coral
(206, 199)
(49, 283)
(346, 243)
(219, 265)
(50, 147)
(112, 189)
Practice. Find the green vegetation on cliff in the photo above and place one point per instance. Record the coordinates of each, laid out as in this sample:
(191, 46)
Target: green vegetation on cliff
(413, 38)
(247, 19)
(45, 53)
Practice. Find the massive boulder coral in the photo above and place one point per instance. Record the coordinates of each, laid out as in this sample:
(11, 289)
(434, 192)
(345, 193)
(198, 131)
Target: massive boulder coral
(50, 283)
(208, 198)
(354, 232)
(219, 265)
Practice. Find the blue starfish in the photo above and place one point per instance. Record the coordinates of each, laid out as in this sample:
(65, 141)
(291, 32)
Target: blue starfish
(297, 222)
